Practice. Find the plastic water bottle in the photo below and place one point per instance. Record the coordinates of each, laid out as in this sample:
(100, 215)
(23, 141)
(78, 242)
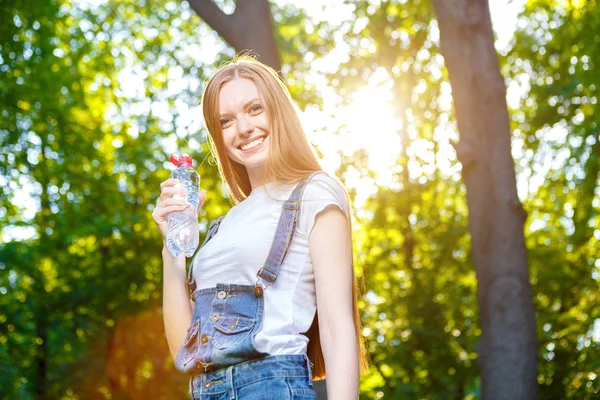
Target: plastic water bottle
(183, 233)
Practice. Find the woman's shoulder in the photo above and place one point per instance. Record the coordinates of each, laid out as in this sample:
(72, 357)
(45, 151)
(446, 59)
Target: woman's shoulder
(323, 182)
(322, 190)
(318, 186)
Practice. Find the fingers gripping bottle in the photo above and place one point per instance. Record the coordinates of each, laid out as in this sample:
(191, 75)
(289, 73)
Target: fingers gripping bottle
(183, 233)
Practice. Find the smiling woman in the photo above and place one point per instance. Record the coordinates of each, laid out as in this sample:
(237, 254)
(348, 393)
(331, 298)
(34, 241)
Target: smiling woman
(273, 290)
(245, 102)
(245, 127)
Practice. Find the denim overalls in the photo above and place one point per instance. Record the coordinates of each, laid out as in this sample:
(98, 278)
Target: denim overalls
(227, 317)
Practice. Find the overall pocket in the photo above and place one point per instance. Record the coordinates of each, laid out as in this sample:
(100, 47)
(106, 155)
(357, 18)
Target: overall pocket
(189, 349)
(230, 331)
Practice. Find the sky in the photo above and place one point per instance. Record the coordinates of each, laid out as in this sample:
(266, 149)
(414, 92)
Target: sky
(382, 144)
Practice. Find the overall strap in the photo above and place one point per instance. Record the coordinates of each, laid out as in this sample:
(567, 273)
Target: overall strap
(283, 234)
(212, 231)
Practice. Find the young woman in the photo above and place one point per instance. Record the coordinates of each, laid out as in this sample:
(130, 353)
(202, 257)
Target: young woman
(273, 292)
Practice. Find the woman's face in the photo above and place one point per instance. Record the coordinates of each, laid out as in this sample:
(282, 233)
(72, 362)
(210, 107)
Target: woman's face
(245, 126)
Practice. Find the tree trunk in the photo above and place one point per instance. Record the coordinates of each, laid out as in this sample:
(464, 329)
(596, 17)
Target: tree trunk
(249, 28)
(507, 348)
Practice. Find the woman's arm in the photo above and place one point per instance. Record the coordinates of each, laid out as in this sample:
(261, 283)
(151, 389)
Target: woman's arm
(177, 311)
(331, 255)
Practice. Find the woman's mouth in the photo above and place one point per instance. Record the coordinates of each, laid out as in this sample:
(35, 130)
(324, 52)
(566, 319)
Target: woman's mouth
(252, 145)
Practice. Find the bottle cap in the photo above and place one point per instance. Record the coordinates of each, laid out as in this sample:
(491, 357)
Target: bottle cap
(184, 158)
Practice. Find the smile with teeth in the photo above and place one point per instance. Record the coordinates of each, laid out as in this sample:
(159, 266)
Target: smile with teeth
(252, 144)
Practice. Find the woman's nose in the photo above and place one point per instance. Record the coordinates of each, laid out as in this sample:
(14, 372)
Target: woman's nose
(245, 127)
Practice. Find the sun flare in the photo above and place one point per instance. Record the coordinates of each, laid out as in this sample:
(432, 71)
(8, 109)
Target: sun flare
(369, 122)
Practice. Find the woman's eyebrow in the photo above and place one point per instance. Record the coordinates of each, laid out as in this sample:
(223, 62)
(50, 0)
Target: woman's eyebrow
(250, 102)
(245, 105)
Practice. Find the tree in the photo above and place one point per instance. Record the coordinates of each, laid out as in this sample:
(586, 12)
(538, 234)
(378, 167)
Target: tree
(507, 349)
(555, 56)
(88, 259)
(420, 311)
(248, 28)
(91, 151)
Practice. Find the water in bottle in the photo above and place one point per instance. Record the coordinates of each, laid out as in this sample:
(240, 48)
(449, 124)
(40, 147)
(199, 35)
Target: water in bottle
(183, 233)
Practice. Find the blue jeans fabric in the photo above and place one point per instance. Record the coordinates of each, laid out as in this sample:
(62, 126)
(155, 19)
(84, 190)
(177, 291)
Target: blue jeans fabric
(224, 321)
(279, 377)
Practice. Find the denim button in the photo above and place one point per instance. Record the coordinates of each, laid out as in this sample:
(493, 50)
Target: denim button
(208, 384)
(215, 317)
(258, 291)
(221, 295)
(204, 339)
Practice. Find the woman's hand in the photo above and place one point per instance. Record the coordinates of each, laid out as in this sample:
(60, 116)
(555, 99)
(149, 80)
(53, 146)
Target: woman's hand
(167, 204)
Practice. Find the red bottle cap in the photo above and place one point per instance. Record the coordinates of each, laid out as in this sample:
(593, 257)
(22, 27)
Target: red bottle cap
(178, 160)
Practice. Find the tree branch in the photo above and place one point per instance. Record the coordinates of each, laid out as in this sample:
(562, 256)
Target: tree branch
(249, 28)
(215, 18)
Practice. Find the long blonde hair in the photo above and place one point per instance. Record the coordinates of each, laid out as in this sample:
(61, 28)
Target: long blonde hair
(290, 159)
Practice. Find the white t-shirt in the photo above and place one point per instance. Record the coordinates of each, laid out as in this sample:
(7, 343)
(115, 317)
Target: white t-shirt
(240, 249)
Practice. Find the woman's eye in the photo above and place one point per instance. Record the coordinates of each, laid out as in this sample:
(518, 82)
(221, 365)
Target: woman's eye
(255, 108)
(225, 122)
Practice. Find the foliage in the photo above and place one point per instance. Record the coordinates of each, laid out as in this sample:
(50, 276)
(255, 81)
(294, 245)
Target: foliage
(93, 103)
(420, 309)
(555, 55)
(92, 155)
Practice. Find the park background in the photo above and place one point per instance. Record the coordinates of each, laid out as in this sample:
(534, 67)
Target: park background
(479, 261)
